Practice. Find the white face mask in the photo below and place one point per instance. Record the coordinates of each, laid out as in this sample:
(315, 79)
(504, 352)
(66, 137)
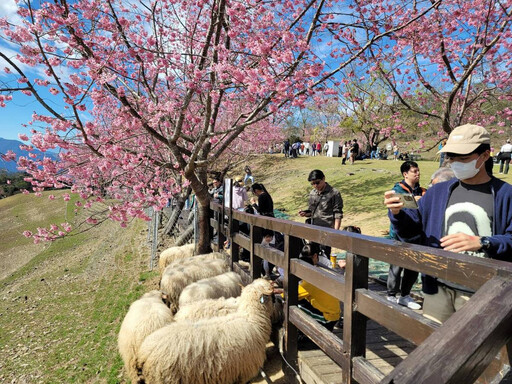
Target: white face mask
(463, 171)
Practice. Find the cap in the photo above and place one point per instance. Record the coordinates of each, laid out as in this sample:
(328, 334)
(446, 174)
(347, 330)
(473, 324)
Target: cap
(239, 179)
(465, 139)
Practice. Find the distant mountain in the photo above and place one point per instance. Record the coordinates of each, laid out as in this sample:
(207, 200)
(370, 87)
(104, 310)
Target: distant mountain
(14, 145)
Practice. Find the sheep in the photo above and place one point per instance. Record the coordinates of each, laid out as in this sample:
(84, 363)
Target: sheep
(195, 259)
(228, 284)
(206, 309)
(175, 280)
(174, 253)
(227, 349)
(145, 316)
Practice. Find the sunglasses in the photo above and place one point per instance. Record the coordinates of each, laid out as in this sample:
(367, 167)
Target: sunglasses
(316, 182)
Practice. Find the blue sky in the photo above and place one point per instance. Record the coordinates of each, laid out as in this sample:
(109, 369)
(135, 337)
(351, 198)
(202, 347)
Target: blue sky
(18, 112)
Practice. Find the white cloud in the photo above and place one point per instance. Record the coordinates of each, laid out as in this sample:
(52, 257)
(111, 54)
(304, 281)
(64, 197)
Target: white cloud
(8, 10)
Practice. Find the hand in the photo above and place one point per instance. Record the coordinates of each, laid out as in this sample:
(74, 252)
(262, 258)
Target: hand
(278, 291)
(392, 202)
(302, 213)
(460, 242)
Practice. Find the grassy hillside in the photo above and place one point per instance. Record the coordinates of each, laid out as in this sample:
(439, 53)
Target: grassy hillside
(61, 311)
(62, 303)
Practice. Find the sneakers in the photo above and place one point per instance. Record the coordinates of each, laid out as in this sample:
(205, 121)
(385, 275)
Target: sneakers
(393, 299)
(407, 301)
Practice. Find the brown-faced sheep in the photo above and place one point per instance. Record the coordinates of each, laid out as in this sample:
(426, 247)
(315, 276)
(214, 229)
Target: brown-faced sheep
(174, 253)
(175, 280)
(228, 284)
(221, 350)
(145, 316)
(206, 309)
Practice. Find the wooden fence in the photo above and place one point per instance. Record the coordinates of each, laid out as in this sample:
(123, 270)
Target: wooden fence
(462, 350)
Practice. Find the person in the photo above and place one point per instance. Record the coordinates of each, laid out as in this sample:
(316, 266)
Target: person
(505, 152)
(467, 214)
(248, 175)
(286, 148)
(442, 174)
(306, 148)
(217, 191)
(441, 156)
(326, 148)
(374, 154)
(264, 204)
(341, 261)
(395, 152)
(344, 151)
(354, 151)
(400, 279)
(239, 194)
(321, 306)
(325, 205)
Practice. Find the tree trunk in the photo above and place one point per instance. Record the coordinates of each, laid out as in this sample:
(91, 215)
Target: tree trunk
(203, 220)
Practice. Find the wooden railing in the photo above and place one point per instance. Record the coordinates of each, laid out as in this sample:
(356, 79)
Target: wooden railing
(462, 350)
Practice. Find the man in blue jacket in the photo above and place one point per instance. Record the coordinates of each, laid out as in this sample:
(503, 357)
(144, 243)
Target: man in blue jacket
(398, 282)
(469, 214)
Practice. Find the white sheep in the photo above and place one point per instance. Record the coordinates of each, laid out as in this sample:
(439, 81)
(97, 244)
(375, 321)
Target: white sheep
(228, 284)
(145, 316)
(175, 280)
(227, 349)
(206, 309)
(195, 259)
(174, 253)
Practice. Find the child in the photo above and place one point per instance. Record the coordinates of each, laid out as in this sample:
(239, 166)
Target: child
(342, 263)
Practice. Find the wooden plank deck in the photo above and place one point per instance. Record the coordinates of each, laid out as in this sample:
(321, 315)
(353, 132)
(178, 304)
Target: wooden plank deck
(384, 349)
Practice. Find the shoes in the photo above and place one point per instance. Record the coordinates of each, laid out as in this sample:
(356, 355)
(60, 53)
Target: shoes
(393, 299)
(407, 301)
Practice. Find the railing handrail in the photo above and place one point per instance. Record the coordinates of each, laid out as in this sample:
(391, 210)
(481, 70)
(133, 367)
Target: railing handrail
(467, 270)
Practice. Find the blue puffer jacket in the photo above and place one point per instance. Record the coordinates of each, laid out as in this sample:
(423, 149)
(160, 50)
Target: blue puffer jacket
(403, 187)
(428, 221)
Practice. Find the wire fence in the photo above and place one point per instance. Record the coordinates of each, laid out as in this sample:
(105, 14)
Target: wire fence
(184, 230)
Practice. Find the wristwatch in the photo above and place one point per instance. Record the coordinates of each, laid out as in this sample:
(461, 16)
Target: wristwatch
(485, 244)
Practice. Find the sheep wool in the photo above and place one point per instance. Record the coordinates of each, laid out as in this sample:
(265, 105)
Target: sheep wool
(228, 284)
(175, 280)
(206, 309)
(145, 316)
(220, 350)
(174, 253)
(195, 260)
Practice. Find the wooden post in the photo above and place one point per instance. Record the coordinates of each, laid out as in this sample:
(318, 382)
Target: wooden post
(461, 349)
(292, 248)
(235, 248)
(354, 323)
(256, 267)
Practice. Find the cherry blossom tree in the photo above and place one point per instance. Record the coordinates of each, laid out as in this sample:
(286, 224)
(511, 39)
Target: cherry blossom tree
(454, 66)
(143, 98)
